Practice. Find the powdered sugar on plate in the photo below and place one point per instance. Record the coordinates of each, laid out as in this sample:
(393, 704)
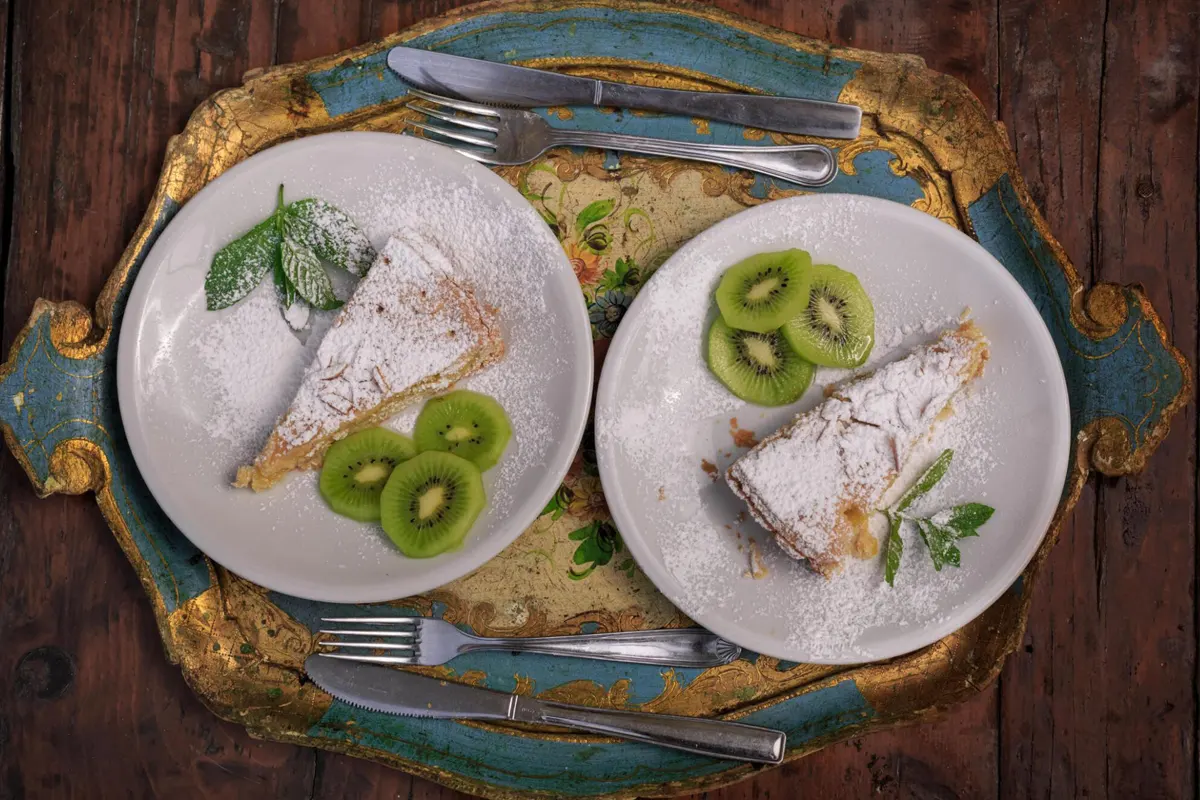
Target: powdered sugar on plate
(213, 384)
(251, 386)
(250, 356)
(708, 550)
(664, 440)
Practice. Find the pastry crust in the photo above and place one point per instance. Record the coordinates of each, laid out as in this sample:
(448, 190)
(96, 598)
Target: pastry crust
(814, 483)
(410, 329)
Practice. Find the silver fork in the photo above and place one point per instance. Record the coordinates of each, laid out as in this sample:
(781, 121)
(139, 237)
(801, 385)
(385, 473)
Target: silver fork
(509, 136)
(429, 642)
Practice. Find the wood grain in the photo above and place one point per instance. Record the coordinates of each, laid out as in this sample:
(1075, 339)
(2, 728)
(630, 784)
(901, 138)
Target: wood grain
(89, 707)
(1049, 100)
(1099, 97)
(1145, 525)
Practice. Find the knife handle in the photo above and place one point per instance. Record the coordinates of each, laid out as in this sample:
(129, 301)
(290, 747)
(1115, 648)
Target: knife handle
(769, 112)
(706, 737)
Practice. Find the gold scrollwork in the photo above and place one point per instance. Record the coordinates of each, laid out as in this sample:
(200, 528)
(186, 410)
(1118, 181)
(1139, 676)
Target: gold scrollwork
(76, 466)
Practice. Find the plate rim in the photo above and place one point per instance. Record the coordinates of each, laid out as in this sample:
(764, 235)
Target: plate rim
(978, 603)
(128, 395)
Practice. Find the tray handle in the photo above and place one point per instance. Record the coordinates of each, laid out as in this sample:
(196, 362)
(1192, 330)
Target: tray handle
(1125, 379)
(59, 417)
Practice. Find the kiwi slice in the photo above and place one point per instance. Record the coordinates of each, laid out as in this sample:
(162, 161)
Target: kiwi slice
(430, 503)
(358, 467)
(836, 327)
(764, 291)
(760, 368)
(468, 424)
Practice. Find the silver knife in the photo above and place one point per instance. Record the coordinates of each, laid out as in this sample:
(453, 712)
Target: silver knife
(392, 691)
(504, 84)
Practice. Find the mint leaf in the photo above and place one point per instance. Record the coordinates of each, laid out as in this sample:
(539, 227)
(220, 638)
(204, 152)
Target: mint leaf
(940, 542)
(303, 269)
(284, 288)
(895, 548)
(939, 532)
(594, 212)
(241, 265)
(327, 231)
(294, 309)
(929, 478)
(965, 518)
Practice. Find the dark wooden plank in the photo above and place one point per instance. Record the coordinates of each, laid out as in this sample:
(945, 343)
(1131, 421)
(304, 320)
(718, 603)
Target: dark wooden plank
(957, 37)
(1050, 69)
(1100, 101)
(89, 706)
(1145, 533)
(309, 29)
(5, 163)
(384, 17)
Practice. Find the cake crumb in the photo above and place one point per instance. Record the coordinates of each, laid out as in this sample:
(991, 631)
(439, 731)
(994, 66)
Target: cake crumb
(758, 569)
(662, 493)
(709, 468)
(741, 436)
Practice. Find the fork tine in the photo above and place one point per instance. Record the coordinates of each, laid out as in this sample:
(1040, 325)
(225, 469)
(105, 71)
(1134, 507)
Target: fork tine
(455, 135)
(458, 105)
(371, 659)
(405, 634)
(474, 154)
(466, 122)
(372, 645)
(374, 620)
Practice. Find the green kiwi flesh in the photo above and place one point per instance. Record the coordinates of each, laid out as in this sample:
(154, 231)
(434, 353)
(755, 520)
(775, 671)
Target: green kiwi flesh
(760, 368)
(430, 503)
(358, 467)
(465, 423)
(764, 291)
(836, 325)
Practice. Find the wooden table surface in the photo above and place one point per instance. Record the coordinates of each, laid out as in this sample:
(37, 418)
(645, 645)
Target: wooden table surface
(1100, 101)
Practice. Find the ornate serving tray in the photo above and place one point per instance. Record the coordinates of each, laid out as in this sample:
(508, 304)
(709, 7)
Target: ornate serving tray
(926, 141)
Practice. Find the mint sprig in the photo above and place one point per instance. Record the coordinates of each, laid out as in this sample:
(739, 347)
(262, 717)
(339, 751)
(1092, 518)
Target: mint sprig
(940, 531)
(292, 245)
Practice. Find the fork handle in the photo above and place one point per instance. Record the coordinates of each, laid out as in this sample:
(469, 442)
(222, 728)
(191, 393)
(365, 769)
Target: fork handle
(803, 164)
(676, 647)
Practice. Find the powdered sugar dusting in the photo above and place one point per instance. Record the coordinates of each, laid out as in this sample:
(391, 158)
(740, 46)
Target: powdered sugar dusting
(511, 281)
(706, 551)
(408, 323)
(677, 415)
(250, 355)
(846, 451)
(251, 363)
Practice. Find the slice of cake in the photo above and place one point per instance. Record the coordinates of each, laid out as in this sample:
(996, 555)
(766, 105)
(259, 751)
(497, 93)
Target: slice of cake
(814, 483)
(410, 329)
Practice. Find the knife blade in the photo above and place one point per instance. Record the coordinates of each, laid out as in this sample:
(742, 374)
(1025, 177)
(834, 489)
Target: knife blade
(505, 84)
(393, 691)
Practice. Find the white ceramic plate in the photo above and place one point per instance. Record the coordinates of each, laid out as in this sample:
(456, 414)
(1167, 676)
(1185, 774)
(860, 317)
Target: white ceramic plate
(660, 412)
(200, 390)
